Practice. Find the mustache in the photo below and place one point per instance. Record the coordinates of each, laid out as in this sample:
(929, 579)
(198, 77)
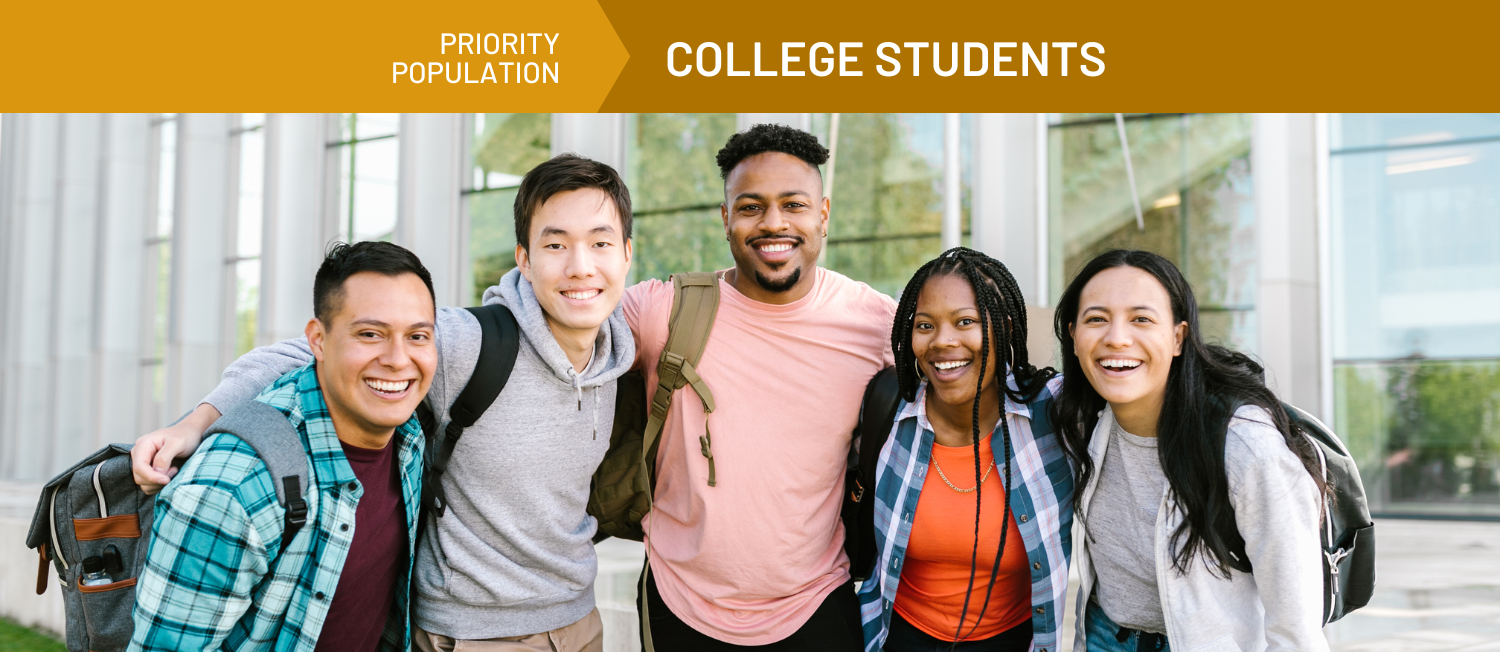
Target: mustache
(751, 242)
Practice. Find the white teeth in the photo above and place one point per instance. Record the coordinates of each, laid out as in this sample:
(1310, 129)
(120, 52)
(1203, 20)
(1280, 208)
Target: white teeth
(581, 295)
(945, 366)
(390, 387)
(776, 248)
(1114, 363)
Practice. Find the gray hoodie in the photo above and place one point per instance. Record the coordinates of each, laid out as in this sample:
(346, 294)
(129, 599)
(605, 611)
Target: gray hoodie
(514, 554)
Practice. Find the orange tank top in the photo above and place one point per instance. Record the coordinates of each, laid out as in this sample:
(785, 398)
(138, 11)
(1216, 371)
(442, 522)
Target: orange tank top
(935, 571)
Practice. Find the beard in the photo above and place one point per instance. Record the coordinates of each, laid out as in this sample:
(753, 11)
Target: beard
(778, 285)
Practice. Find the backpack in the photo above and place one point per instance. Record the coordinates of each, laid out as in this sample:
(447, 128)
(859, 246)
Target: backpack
(882, 397)
(93, 518)
(497, 357)
(620, 491)
(1348, 541)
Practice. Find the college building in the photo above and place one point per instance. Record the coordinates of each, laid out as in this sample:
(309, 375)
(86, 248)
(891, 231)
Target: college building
(1357, 256)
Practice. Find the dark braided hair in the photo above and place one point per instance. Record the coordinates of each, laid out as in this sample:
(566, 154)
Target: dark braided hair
(1002, 310)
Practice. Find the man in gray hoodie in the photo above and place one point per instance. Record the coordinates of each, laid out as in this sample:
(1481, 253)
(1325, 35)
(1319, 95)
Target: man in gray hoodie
(511, 565)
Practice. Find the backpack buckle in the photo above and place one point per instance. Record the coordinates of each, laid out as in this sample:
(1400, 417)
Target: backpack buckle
(296, 508)
(858, 492)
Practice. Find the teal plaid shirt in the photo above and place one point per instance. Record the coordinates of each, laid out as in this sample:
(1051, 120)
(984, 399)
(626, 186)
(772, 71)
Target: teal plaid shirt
(1041, 499)
(215, 577)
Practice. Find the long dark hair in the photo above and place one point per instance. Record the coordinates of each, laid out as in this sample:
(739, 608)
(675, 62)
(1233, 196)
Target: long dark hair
(1204, 384)
(1002, 310)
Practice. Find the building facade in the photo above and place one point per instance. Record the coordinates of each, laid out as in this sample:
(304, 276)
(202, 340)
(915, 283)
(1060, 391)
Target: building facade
(1357, 256)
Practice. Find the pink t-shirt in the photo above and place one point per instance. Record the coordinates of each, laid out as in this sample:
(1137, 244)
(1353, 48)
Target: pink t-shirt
(748, 561)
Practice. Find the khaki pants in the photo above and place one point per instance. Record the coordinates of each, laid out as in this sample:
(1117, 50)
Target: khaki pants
(586, 635)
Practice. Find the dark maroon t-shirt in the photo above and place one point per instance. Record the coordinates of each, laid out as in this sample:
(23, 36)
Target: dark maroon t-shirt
(377, 556)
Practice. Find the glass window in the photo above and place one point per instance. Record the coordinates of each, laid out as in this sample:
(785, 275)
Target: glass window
(886, 174)
(676, 192)
(504, 148)
(367, 157)
(248, 213)
(1416, 308)
(1193, 177)
(887, 195)
(157, 267)
(1385, 130)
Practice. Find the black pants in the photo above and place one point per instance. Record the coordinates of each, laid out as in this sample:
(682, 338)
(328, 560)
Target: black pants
(905, 637)
(834, 627)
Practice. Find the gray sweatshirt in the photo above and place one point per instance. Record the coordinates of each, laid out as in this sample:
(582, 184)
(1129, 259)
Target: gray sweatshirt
(513, 555)
(1278, 608)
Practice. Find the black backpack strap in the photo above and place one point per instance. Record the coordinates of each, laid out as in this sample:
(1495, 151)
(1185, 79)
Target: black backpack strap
(276, 443)
(497, 356)
(882, 398)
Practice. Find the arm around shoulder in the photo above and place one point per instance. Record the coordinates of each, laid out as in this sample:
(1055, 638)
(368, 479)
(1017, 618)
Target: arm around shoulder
(152, 458)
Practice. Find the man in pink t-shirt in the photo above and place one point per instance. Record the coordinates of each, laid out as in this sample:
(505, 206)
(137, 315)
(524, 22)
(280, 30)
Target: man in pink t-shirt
(758, 560)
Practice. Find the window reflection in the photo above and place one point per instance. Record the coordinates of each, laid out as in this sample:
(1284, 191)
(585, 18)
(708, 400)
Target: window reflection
(1193, 176)
(1424, 433)
(368, 166)
(250, 142)
(1416, 307)
(888, 196)
(503, 148)
(676, 191)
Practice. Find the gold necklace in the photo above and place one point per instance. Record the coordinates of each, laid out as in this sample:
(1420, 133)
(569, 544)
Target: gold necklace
(963, 491)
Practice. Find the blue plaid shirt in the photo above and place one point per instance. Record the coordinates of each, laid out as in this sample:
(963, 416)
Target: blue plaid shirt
(1041, 503)
(215, 577)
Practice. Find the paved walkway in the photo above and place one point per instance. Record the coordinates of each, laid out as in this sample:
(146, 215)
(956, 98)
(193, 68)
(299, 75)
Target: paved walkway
(1438, 586)
(1437, 589)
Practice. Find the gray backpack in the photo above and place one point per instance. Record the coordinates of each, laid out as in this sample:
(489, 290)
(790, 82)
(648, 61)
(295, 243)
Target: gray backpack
(94, 524)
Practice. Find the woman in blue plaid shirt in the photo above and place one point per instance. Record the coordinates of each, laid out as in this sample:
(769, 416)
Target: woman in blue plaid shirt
(973, 495)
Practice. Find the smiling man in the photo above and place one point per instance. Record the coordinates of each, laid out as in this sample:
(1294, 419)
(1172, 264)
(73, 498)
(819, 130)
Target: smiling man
(219, 575)
(757, 559)
(511, 564)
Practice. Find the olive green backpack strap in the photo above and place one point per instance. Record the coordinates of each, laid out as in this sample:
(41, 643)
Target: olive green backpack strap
(695, 302)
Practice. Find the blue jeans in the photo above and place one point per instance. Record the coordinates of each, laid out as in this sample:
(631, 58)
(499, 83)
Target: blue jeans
(1104, 635)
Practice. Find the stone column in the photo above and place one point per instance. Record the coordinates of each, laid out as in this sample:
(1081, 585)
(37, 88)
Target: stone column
(1283, 158)
(77, 225)
(194, 324)
(428, 198)
(29, 169)
(294, 231)
(124, 201)
(1008, 204)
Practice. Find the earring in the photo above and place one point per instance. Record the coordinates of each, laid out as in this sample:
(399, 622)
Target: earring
(918, 369)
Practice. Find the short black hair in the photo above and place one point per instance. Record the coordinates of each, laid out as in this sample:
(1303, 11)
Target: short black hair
(771, 138)
(563, 173)
(344, 260)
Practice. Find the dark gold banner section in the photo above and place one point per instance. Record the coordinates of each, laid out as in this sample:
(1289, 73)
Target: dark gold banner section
(381, 55)
(767, 55)
(1177, 55)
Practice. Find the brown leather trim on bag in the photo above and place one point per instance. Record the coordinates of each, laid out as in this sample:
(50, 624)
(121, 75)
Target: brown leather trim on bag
(107, 587)
(124, 526)
(41, 569)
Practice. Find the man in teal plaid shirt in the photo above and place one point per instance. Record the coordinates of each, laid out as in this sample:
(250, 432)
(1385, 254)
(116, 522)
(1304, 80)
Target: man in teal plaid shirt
(217, 577)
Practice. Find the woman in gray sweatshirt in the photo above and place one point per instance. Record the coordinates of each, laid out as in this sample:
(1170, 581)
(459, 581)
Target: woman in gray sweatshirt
(1177, 511)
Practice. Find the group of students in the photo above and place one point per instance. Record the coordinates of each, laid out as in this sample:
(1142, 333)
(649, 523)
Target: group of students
(987, 462)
